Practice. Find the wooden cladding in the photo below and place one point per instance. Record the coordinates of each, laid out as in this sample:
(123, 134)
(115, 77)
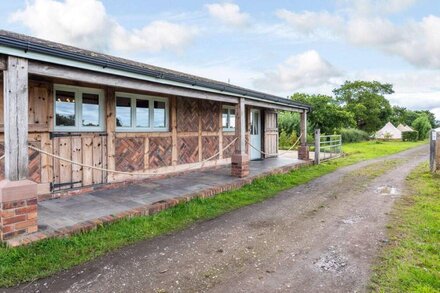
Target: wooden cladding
(270, 133)
(89, 149)
(34, 167)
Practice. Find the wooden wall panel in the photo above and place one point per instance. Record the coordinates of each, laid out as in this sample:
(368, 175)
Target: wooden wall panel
(187, 115)
(188, 149)
(210, 147)
(129, 154)
(160, 152)
(209, 113)
(35, 163)
(227, 139)
(270, 133)
(40, 96)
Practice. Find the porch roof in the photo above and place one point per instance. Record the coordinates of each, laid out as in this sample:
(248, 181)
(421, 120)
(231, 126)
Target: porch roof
(41, 50)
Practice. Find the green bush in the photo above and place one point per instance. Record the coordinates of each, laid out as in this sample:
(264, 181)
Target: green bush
(286, 140)
(353, 135)
(422, 125)
(410, 135)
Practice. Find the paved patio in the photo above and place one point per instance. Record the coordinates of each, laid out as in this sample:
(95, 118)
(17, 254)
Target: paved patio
(84, 212)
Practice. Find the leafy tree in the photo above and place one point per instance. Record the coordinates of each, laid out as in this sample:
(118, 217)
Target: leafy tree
(366, 101)
(422, 125)
(288, 122)
(326, 113)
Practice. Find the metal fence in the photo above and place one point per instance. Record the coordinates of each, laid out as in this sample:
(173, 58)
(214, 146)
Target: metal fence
(327, 146)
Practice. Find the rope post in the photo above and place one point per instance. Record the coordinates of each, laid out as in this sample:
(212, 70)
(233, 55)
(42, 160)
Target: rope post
(434, 151)
(317, 146)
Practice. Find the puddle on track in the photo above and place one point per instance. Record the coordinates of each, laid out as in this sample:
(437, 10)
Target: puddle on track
(387, 190)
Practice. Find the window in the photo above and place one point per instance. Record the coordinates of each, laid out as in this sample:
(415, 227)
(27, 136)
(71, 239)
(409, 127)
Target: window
(228, 118)
(141, 113)
(78, 108)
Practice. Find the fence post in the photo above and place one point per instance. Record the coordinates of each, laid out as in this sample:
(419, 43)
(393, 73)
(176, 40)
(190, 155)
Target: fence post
(317, 146)
(433, 160)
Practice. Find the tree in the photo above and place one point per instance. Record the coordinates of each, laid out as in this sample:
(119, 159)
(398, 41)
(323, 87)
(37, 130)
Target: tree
(422, 125)
(288, 122)
(366, 101)
(326, 113)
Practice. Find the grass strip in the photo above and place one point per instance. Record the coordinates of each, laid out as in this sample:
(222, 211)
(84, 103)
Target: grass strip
(411, 261)
(49, 256)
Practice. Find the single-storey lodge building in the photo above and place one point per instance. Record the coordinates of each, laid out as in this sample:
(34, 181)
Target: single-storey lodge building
(59, 103)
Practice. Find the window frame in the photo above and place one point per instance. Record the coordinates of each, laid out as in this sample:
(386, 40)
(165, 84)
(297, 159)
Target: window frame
(151, 100)
(79, 91)
(229, 108)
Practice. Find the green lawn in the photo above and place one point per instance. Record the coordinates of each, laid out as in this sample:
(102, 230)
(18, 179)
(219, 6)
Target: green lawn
(411, 262)
(49, 256)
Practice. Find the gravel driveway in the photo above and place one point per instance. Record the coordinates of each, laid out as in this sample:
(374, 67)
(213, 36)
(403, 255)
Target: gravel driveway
(319, 237)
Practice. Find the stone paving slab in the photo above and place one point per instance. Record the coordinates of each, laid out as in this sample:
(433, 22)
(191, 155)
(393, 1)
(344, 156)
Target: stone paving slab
(65, 216)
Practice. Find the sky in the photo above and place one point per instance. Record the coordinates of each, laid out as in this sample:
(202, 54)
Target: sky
(280, 47)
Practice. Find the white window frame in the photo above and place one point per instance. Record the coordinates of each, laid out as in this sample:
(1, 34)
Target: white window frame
(229, 108)
(78, 90)
(151, 100)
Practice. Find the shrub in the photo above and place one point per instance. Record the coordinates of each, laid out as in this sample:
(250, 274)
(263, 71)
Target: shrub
(286, 141)
(353, 135)
(410, 135)
(387, 136)
(422, 125)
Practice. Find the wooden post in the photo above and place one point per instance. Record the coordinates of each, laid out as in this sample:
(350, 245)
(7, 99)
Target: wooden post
(16, 118)
(110, 110)
(240, 160)
(303, 150)
(174, 131)
(18, 196)
(317, 146)
(434, 157)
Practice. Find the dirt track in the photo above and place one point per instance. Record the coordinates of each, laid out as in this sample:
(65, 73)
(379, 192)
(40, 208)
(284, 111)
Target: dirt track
(319, 237)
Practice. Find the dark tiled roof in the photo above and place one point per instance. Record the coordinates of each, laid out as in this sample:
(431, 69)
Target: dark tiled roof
(31, 44)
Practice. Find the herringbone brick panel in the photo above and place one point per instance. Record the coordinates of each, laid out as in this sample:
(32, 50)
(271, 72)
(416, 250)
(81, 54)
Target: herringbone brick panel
(209, 147)
(129, 154)
(209, 111)
(188, 149)
(160, 152)
(187, 115)
(227, 139)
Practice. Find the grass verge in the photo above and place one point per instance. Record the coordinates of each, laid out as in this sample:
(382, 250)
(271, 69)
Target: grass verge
(411, 262)
(52, 255)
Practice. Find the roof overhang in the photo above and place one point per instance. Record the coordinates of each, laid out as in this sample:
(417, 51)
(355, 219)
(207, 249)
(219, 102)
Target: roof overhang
(56, 56)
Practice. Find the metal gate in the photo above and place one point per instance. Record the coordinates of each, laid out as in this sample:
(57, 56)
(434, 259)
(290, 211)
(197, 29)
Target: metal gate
(327, 146)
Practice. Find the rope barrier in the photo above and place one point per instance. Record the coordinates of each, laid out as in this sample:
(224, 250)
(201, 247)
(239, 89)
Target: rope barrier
(275, 154)
(2, 157)
(154, 172)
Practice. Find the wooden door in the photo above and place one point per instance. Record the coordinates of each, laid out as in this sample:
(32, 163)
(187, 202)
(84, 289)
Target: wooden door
(89, 149)
(270, 133)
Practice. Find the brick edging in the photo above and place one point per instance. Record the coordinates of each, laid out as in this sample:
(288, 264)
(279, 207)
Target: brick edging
(148, 209)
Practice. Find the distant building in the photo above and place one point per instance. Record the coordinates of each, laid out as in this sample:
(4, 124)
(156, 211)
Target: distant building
(389, 131)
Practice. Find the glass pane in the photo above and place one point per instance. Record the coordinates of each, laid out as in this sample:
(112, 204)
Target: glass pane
(225, 118)
(159, 114)
(123, 112)
(254, 125)
(90, 110)
(231, 118)
(65, 108)
(142, 113)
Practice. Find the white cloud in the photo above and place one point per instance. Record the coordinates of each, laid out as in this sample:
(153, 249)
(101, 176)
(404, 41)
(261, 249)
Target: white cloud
(418, 42)
(308, 22)
(228, 13)
(375, 7)
(297, 73)
(86, 24)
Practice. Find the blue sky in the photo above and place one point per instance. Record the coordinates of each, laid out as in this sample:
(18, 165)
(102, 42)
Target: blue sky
(275, 46)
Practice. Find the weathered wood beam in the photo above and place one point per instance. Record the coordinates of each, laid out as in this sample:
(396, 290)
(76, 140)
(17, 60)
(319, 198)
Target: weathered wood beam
(16, 118)
(303, 127)
(2, 63)
(271, 106)
(240, 127)
(74, 74)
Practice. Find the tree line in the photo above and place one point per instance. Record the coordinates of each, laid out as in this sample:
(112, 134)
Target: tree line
(359, 105)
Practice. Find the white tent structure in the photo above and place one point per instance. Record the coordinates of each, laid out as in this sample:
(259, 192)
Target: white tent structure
(403, 128)
(389, 131)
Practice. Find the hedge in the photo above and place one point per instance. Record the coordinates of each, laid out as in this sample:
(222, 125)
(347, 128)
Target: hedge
(410, 135)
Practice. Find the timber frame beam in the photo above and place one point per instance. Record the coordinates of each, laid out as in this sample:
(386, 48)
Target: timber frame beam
(16, 118)
(69, 73)
(2, 63)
